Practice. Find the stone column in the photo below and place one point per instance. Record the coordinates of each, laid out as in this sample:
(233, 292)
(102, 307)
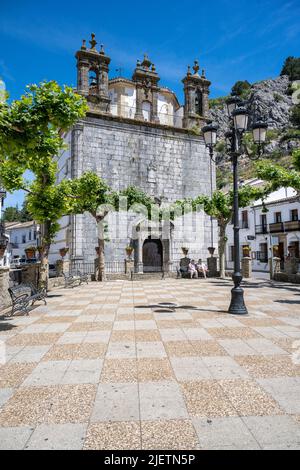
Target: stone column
(83, 77)
(140, 255)
(4, 285)
(212, 266)
(139, 102)
(31, 273)
(62, 266)
(154, 117)
(246, 267)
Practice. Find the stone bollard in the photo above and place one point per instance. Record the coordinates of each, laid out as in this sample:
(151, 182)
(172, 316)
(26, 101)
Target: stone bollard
(31, 273)
(246, 267)
(4, 285)
(212, 266)
(129, 267)
(62, 266)
(274, 264)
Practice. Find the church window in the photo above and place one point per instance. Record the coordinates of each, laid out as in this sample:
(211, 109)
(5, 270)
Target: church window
(92, 78)
(198, 102)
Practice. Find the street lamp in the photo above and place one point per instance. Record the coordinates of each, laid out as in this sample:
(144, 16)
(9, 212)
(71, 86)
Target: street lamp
(239, 116)
(210, 139)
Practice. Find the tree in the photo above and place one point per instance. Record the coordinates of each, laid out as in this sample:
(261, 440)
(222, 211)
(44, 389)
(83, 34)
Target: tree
(91, 194)
(280, 177)
(11, 214)
(31, 135)
(241, 88)
(220, 206)
(295, 115)
(291, 67)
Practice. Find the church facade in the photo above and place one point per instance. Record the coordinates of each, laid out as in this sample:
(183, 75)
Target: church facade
(137, 133)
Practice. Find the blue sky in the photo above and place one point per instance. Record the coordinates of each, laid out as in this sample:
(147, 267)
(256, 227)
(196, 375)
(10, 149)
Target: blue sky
(233, 40)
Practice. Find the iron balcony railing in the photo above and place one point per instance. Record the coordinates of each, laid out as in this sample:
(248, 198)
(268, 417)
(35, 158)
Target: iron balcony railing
(292, 225)
(261, 229)
(276, 227)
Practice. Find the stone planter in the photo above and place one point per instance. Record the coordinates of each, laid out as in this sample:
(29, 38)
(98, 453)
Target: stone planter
(211, 250)
(185, 251)
(63, 252)
(30, 253)
(129, 251)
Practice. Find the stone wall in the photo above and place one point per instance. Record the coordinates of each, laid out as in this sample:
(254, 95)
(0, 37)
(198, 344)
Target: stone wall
(4, 285)
(163, 161)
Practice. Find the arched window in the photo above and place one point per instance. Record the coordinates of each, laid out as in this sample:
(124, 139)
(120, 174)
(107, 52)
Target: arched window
(146, 108)
(198, 102)
(93, 78)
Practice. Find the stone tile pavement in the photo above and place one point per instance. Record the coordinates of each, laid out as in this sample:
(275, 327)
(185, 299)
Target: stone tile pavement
(153, 365)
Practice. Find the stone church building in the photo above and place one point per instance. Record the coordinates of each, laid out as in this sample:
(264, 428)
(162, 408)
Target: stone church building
(137, 133)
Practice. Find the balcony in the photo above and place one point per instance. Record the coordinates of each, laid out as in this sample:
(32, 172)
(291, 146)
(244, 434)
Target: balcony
(261, 229)
(276, 227)
(292, 225)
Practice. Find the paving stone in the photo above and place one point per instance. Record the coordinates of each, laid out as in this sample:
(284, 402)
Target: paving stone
(161, 400)
(189, 368)
(224, 368)
(5, 394)
(47, 373)
(274, 430)
(116, 402)
(14, 438)
(57, 437)
(83, 371)
(219, 433)
(285, 390)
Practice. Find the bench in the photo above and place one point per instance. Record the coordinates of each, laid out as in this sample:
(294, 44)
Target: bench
(75, 279)
(24, 294)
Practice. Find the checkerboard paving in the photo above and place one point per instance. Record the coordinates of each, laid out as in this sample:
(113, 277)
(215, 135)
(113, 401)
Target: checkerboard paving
(153, 365)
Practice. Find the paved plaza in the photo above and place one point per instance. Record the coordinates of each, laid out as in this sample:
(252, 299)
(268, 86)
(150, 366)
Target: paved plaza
(153, 365)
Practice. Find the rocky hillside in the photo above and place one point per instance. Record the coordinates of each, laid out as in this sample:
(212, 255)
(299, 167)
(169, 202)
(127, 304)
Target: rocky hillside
(272, 100)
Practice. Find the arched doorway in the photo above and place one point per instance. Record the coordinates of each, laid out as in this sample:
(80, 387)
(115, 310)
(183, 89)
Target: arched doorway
(152, 255)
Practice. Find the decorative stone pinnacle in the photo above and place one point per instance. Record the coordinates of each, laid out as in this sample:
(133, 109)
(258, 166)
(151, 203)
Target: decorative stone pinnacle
(93, 42)
(196, 67)
(138, 63)
(188, 71)
(203, 73)
(83, 47)
(102, 49)
(153, 68)
(146, 62)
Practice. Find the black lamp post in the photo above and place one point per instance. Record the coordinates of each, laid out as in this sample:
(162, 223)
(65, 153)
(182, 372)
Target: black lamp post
(210, 138)
(239, 123)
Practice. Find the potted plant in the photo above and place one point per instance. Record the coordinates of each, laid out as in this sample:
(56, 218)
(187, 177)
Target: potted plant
(2, 250)
(63, 252)
(211, 250)
(129, 250)
(184, 250)
(30, 252)
(275, 251)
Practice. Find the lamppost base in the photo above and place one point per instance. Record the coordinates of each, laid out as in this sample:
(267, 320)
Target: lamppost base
(237, 304)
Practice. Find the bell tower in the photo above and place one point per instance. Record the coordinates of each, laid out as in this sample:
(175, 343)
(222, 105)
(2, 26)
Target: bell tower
(196, 91)
(146, 79)
(92, 76)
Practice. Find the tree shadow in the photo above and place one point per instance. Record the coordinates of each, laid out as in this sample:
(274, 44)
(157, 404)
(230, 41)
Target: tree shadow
(297, 302)
(173, 307)
(7, 326)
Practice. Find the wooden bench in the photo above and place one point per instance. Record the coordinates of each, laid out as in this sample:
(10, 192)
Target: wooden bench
(24, 294)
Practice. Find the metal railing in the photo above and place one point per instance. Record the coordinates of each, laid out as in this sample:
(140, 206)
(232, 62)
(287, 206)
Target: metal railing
(261, 229)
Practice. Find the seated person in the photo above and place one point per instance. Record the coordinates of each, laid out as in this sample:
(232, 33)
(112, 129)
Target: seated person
(192, 269)
(184, 266)
(201, 267)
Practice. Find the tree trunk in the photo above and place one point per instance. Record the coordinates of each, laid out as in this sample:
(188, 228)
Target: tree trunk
(222, 248)
(101, 256)
(44, 268)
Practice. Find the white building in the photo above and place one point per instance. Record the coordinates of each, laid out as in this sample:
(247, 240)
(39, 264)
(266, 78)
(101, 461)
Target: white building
(21, 236)
(260, 229)
(3, 234)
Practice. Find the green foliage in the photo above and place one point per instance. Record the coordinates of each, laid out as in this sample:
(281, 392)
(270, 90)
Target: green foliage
(31, 134)
(223, 176)
(242, 88)
(291, 67)
(217, 102)
(278, 176)
(290, 134)
(295, 115)
(278, 97)
(14, 214)
(220, 146)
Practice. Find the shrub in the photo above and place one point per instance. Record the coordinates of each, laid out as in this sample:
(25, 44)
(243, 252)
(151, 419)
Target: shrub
(278, 97)
(217, 102)
(241, 88)
(295, 115)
